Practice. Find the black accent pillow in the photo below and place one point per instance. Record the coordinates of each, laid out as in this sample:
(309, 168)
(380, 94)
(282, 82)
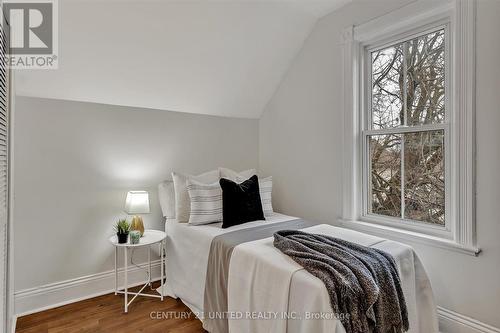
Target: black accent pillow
(240, 202)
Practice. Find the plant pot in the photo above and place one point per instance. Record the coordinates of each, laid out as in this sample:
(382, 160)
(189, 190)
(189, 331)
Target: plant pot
(135, 236)
(122, 238)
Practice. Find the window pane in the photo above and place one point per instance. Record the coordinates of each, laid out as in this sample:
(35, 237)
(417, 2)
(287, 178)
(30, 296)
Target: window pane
(387, 94)
(425, 79)
(424, 176)
(385, 157)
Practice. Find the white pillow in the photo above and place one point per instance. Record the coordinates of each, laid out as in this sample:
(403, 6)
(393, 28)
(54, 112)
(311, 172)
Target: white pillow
(182, 202)
(265, 191)
(206, 202)
(234, 176)
(166, 195)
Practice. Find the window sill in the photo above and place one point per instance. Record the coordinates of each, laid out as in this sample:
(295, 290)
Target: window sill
(411, 236)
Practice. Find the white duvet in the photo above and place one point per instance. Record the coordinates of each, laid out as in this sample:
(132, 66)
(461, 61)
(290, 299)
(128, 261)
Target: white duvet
(187, 251)
(269, 292)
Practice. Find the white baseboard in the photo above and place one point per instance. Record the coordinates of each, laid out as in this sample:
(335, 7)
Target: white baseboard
(12, 327)
(453, 322)
(52, 295)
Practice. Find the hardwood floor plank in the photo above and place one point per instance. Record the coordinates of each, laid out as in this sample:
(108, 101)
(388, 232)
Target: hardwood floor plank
(105, 314)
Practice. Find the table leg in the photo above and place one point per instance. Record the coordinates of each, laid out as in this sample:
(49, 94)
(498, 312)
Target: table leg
(149, 269)
(116, 270)
(126, 278)
(161, 265)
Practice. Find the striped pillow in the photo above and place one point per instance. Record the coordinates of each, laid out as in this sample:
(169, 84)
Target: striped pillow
(265, 191)
(206, 202)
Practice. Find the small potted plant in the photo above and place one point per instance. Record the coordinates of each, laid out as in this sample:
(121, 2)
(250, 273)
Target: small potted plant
(122, 228)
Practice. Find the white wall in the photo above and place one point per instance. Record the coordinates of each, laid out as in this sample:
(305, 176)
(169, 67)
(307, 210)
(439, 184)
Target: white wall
(74, 163)
(207, 57)
(301, 129)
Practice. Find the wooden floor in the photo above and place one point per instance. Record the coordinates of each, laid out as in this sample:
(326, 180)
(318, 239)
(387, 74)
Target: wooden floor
(105, 314)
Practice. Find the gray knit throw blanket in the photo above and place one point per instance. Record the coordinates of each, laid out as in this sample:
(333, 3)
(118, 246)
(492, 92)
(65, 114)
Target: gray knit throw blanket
(362, 282)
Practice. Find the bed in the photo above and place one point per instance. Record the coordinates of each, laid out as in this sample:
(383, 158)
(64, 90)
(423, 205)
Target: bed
(267, 291)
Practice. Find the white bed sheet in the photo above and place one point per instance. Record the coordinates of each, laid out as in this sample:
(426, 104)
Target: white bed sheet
(294, 290)
(186, 267)
(188, 248)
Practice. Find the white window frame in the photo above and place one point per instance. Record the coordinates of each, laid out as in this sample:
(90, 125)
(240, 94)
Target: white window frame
(457, 17)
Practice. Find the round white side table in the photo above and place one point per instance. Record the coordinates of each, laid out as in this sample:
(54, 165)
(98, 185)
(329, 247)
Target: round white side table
(149, 238)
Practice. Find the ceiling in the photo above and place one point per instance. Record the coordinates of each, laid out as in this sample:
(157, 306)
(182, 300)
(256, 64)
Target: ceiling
(221, 58)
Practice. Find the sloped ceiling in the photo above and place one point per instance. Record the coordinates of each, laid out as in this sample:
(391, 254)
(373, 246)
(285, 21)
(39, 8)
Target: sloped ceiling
(210, 57)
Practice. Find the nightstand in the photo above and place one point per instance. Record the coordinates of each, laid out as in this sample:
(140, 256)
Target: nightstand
(150, 238)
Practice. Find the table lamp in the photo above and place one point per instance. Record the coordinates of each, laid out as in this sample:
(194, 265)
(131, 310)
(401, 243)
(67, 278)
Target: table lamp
(137, 202)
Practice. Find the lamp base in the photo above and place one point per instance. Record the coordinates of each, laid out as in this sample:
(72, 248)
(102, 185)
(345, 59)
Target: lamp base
(137, 224)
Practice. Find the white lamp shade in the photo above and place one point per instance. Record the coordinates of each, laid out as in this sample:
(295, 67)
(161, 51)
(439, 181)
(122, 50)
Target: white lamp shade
(137, 202)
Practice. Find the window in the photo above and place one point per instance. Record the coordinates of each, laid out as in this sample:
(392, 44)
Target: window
(406, 129)
(409, 108)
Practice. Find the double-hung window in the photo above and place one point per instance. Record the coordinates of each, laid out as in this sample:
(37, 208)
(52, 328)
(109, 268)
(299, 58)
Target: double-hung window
(409, 125)
(405, 131)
